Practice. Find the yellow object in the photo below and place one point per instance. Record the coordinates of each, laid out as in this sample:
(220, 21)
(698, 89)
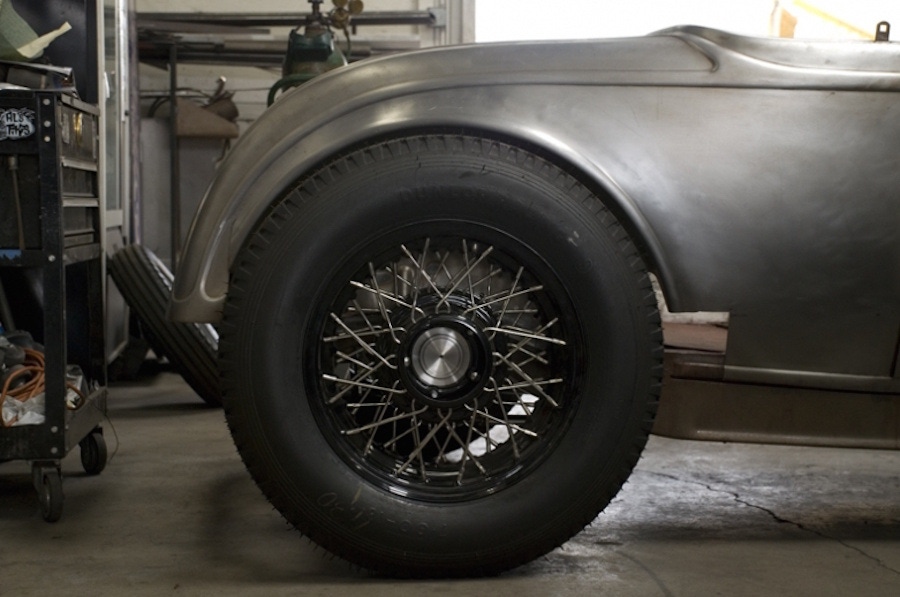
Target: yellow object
(18, 41)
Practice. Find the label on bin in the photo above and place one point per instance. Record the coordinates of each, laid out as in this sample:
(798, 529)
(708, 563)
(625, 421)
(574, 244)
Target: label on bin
(16, 123)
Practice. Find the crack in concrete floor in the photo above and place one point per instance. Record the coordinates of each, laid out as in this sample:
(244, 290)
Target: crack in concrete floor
(779, 519)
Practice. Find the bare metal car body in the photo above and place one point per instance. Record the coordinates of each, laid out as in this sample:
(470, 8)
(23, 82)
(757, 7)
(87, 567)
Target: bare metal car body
(759, 177)
(432, 273)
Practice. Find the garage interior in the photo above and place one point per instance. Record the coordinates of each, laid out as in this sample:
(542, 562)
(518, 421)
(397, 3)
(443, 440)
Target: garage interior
(791, 497)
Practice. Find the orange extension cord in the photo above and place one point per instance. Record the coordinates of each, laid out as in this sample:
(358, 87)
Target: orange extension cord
(33, 365)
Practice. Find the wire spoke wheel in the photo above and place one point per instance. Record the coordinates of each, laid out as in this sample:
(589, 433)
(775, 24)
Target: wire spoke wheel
(442, 369)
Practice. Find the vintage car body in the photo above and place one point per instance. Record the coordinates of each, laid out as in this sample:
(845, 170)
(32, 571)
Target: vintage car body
(431, 273)
(761, 177)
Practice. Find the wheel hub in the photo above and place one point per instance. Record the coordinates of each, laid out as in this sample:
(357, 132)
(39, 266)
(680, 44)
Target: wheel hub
(445, 361)
(440, 357)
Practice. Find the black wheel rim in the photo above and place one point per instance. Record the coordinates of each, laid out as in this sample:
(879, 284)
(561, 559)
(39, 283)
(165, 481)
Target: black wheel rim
(445, 366)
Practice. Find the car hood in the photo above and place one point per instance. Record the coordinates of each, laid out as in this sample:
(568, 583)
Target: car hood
(683, 56)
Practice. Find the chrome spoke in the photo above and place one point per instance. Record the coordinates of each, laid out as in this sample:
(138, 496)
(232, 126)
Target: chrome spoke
(512, 436)
(363, 344)
(506, 297)
(468, 455)
(360, 384)
(462, 275)
(421, 443)
(355, 335)
(527, 335)
(383, 295)
(420, 269)
(383, 421)
(378, 416)
(489, 417)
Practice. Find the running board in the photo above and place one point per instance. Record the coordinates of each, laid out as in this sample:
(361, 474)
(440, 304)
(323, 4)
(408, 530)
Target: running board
(698, 403)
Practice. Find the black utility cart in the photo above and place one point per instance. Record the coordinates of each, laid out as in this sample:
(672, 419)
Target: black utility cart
(51, 269)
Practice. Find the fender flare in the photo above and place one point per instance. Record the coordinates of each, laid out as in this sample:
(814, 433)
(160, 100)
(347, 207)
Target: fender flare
(269, 159)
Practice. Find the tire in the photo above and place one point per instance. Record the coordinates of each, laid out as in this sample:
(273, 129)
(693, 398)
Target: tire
(146, 284)
(441, 356)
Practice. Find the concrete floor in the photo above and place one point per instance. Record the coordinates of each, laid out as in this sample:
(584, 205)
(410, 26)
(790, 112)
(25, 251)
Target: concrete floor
(176, 513)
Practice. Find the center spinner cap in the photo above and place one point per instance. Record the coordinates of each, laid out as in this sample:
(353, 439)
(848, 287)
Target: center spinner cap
(446, 361)
(440, 357)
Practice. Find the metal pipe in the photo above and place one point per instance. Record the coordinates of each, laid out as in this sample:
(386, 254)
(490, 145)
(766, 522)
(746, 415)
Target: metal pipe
(264, 53)
(174, 159)
(6, 317)
(283, 19)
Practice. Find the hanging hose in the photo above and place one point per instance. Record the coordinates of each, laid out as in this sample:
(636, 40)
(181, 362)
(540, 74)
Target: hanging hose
(286, 82)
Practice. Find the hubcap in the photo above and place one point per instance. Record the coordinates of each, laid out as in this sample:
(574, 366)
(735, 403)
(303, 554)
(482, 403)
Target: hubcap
(440, 358)
(445, 362)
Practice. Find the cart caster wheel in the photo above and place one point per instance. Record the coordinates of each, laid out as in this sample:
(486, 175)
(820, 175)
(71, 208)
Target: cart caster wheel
(50, 494)
(93, 453)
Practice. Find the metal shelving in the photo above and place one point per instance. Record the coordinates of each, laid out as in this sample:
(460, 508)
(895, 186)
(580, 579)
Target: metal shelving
(52, 273)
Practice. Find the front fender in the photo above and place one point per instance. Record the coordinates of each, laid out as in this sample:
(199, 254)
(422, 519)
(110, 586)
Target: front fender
(519, 91)
(270, 160)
